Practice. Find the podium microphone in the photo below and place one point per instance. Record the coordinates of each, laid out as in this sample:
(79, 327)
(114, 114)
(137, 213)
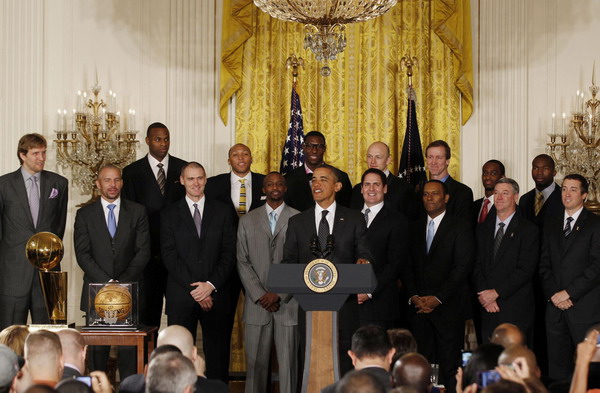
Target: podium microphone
(329, 247)
(315, 248)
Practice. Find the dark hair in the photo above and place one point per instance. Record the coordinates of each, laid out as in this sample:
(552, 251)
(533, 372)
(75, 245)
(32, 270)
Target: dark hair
(28, 142)
(39, 388)
(377, 172)
(582, 180)
(360, 381)
(547, 158)
(485, 357)
(334, 171)
(317, 134)
(274, 173)
(402, 341)
(500, 165)
(155, 125)
(505, 386)
(166, 348)
(371, 341)
(191, 164)
(444, 186)
(72, 386)
(440, 143)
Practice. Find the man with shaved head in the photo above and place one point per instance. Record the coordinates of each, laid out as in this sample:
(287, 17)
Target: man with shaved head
(412, 370)
(513, 352)
(74, 351)
(507, 334)
(44, 358)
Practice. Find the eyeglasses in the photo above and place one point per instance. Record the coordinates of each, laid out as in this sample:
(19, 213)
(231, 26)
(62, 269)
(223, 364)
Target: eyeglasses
(311, 146)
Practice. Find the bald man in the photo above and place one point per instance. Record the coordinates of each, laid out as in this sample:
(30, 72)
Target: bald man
(513, 352)
(74, 351)
(412, 370)
(400, 194)
(507, 334)
(44, 358)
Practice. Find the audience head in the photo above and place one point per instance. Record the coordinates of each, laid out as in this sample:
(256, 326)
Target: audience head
(325, 185)
(109, 182)
(402, 341)
(507, 334)
(543, 171)
(314, 147)
(437, 155)
(506, 196)
(373, 186)
(274, 188)
(73, 386)
(171, 373)
(158, 140)
(73, 348)
(403, 389)
(14, 337)
(574, 192)
(371, 345)
(240, 159)
(484, 358)
(32, 152)
(193, 178)
(378, 156)
(505, 386)
(508, 356)
(358, 381)
(491, 172)
(413, 370)
(43, 355)
(9, 368)
(435, 197)
(179, 337)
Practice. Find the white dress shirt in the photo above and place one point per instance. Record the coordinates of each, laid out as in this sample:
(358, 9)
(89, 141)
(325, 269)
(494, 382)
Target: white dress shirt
(200, 204)
(330, 216)
(373, 212)
(575, 216)
(235, 190)
(436, 222)
(154, 165)
(116, 210)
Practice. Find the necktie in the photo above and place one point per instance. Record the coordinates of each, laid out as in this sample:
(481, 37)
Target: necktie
(539, 202)
(34, 200)
(197, 219)
(242, 208)
(567, 231)
(112, 221)
(161, 178)
(367, 211)
(323, 230)
(484, 211)
(430, 234)
(272, 221)
(498, 238)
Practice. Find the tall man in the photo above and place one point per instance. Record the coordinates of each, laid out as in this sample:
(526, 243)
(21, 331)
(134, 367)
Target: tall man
(260, 239)
(400, 195)
(198, 250)
(32, 200)
(570, 274)
(442, 255)
(438, 156)
(153, 181)
(112, 243)
(507, 256)
(387, 236)
(349, 234)
(491, 172)
(299, 194)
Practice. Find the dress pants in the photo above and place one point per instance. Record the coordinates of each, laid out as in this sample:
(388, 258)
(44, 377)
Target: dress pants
(98, 359)
(155, 286)
(14, 310)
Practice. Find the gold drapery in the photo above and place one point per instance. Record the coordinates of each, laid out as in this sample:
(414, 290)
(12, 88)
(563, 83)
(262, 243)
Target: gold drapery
(364, 99)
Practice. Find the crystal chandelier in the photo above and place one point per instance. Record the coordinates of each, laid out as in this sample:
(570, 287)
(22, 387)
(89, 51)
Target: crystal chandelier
(575, 146)
(324, 20)
(94, 139)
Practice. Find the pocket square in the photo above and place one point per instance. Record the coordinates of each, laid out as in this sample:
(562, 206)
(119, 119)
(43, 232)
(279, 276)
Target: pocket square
(53, 193)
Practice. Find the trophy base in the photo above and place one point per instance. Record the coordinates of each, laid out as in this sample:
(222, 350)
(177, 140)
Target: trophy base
(51, 327)
(111, 328)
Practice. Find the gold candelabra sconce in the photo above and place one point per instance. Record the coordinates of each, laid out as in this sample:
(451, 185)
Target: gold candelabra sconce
(94, 139)
(575, 148)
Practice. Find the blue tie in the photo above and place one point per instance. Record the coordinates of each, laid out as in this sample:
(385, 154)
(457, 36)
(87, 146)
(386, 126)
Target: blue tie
(112, 222)
(430, 234)
(272, 221)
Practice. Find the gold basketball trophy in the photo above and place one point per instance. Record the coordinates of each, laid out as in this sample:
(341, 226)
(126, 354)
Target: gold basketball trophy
(44, 251)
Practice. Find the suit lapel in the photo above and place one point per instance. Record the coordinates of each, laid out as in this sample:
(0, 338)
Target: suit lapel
(99, 220)
(378, 218)
(172, 176)
(576, 229)
(339, 223)
(123, 225)
(187, 219)
(440, 233)
(256, 191)
(284, 217)
(44, 193)
(21, 193)
(150, 179)
(207, 218)
(508, 237)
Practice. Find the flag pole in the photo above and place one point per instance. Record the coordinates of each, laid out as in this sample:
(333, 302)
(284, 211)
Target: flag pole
(292, 156)
(294, 62)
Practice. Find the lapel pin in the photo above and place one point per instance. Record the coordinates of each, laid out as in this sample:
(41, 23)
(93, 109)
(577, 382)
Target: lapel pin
(341, 218)
(577, 228)
(512, 234)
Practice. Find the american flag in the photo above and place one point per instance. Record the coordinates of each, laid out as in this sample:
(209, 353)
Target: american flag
(292, 156)
(412, 164)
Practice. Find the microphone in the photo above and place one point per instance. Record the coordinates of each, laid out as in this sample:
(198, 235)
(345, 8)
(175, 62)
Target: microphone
(329, 247)
(315, 247)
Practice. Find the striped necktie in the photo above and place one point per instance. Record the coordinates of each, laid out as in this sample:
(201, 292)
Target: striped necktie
(160, 178)
(539, 202)
(242, 207)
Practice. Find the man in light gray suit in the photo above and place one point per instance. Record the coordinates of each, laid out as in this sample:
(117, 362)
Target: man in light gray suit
(260, 239)
(32, 200)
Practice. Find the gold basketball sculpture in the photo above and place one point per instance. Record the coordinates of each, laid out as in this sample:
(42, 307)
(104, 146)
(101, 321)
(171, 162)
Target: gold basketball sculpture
(113, 301)
(44, 251)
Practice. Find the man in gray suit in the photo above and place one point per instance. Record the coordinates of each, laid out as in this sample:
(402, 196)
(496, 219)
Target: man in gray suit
(260, 239)
(112, 243)
(31, 200)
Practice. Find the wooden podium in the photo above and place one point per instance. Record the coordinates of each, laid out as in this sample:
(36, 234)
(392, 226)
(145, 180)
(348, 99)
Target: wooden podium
(321, 362)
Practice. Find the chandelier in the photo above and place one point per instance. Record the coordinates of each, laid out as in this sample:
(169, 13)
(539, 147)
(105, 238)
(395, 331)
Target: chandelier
(94, 139)
(325, 20)
(575, 146)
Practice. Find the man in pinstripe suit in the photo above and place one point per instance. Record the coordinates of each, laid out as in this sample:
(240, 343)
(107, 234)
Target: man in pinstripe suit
(260, 239)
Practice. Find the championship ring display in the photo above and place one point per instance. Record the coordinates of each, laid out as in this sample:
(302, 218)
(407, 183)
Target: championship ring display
(113, 305)
(320, 275)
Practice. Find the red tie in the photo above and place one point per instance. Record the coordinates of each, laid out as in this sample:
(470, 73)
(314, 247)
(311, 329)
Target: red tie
(484, 211)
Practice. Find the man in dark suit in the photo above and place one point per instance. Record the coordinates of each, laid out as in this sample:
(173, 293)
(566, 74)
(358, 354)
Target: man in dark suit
(349, 234)
(387, 236)
(400, 195)
(32, 200)
(438, 156)
(442, 256)
(372, 353)
(112, 244)
(74, 352)
(570, 274)
(299, 195)
(153, 181)
(491, 172)
(507, 256)
(198, 250)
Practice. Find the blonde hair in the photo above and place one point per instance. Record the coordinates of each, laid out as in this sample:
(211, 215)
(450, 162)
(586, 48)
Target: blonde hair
(14, 337)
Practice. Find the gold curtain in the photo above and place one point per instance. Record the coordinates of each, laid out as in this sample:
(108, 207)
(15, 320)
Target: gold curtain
(364, 99)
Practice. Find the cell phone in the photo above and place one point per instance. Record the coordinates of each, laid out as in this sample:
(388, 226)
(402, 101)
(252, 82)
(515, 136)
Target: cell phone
(86, 380)
(598, 341)
(466, 356)
(486, 378)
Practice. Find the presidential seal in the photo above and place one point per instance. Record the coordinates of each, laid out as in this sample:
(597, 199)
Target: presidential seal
(320, 275)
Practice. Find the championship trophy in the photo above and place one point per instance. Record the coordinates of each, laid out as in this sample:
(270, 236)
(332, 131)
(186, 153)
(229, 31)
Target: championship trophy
(45, 250)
